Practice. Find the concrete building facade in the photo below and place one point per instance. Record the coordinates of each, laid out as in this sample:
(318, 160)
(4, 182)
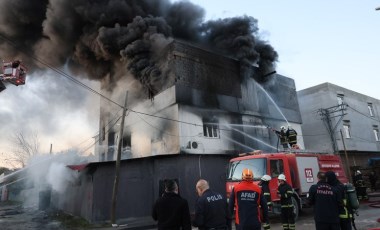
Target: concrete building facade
(205, 109)
(330, 112)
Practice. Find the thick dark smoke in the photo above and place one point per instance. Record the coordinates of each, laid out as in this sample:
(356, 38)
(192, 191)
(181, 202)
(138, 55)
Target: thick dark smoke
(94, 36)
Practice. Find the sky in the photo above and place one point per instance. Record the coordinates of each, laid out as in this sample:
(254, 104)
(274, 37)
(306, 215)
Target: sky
(316, 41)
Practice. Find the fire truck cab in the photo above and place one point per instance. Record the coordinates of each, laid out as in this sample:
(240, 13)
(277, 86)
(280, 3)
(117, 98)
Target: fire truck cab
(13, 72)
(300, 170)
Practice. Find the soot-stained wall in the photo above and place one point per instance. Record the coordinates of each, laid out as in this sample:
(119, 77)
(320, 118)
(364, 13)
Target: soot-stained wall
(139, 184)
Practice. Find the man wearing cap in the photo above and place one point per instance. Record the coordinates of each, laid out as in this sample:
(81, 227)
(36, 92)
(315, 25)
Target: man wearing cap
(285, 193)
(246, 199)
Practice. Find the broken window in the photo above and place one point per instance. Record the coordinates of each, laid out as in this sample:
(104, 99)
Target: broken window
(211, 129)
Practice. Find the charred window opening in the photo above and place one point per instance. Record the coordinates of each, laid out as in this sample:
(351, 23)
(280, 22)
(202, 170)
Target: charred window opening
(103, 133)
(111, 145)
(210, 128)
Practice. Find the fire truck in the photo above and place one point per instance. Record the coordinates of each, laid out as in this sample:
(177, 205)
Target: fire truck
(299, 168)
(13, 73)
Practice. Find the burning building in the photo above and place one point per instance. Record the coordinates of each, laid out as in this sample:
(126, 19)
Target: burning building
(198, 92)
(208, 108)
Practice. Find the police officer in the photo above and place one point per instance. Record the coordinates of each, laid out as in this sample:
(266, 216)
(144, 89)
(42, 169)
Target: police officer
(211, 210)
(247, 199)
(327, 203)
(285, 192)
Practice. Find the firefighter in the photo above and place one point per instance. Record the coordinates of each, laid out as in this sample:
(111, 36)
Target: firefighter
(282, 137)
(359, 185)
(327, 203)
(345, 213)
(247, 201)
(264, 183)
(285, 193)
(211, 210)
(291, 135)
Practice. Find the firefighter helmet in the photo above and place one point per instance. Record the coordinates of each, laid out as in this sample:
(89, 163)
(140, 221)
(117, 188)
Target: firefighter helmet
(266, 178)
(282, 177)
(358, 172)
(282, 127)
(247, 174)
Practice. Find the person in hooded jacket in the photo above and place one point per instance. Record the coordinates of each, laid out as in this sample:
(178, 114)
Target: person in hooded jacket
(328, 203)
(345, 213)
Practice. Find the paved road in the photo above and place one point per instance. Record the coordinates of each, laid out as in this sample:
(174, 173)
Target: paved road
(18, 218)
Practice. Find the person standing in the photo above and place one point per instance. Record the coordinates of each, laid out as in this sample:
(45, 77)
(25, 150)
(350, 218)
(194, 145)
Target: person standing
(264, 184)
(327, 203)
(247, 200)
(171, 211)
(211, 210)
(345, 213)
(285, 192)
(360, 186)
(373, 180)
(282, 137)
(291, 135)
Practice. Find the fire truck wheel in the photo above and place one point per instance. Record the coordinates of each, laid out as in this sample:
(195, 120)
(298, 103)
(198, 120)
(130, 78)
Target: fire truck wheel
(296, 209)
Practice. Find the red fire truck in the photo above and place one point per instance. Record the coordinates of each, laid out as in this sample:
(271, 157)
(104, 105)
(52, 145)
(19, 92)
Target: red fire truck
(299, 168)
(12, 72)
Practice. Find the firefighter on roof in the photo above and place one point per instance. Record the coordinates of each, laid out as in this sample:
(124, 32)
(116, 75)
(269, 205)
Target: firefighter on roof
(291, 135)
(247, 200)
(282, 137)
(285, 192)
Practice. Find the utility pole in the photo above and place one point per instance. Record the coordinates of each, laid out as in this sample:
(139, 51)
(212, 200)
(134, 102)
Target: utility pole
(117, 167)
(345, 153)
(329, 113)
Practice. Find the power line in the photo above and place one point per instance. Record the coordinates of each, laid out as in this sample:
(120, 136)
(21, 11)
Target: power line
(363, 114)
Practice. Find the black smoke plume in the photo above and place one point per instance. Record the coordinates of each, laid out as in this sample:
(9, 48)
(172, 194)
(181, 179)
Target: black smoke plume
(92, 36)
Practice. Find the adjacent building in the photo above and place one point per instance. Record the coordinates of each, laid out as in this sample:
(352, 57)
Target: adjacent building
(336, 119)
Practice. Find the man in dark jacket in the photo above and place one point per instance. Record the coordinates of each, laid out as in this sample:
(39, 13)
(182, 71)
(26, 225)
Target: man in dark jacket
(247, 200)
(171, 211)
(345, 212)
(211, 210)
(282, 137)
(285, 192)
(327, 203)
(291, 134)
